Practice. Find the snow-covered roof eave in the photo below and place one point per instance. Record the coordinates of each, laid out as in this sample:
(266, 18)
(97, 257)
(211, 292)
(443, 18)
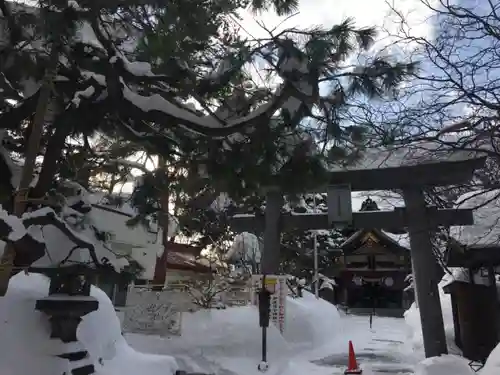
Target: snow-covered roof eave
(485, 232)
(407, 155)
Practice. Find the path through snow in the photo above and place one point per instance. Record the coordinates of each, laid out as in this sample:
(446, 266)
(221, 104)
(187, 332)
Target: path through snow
(380, 350)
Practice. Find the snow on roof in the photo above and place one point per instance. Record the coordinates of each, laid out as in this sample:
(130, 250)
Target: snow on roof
(100, 200)
(486, 228)
(114, 222)
(385, 200)
(406, 155)
(461, 275)
(402, 240)
(147, 257)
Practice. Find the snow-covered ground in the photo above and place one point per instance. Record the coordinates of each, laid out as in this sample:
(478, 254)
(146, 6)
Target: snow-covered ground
(221, 342)
(382, 349)
(315, 342)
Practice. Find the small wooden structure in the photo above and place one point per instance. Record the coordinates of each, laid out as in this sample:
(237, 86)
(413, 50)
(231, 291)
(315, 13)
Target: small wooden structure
(474, 299)
(473, 253)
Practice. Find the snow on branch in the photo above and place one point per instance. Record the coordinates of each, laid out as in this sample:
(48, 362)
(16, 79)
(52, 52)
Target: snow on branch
(46, 216)
(43, 240)
(13, 232)
(157, 108)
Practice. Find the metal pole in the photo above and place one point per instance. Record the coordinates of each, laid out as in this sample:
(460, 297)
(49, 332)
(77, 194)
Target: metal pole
(264, 344)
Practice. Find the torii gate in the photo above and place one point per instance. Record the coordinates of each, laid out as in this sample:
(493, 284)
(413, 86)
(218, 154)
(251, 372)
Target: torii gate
(457, 167)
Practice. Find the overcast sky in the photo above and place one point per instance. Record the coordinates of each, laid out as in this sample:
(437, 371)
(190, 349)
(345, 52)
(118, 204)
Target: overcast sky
(330, 12)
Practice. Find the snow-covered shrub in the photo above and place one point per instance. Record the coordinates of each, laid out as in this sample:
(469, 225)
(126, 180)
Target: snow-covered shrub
(209, 291)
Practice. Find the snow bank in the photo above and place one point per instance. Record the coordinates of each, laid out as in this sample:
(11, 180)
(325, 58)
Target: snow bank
(233, 332)
(27, 335)
(412, 318)
(492, 366)
(444, 365)
(25, 332)
(310, 322)
(219, 341)
(231, 338)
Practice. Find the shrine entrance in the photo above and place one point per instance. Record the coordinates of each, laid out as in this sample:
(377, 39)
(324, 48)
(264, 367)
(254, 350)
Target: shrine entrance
(373, 295)
(375, 264)
(411, 170)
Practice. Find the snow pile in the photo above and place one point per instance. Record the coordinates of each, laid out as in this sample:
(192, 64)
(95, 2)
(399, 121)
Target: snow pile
(232, 332)
(310, 322)
(492, 366)
(231, 338)
(412, 318)
(228, 339)
(27, 335)
(444, 365)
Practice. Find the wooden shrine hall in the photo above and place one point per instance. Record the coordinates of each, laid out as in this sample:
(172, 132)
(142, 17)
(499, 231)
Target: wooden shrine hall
(373, 267)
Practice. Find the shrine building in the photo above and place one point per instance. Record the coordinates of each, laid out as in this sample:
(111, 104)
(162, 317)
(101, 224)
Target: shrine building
(372, 271)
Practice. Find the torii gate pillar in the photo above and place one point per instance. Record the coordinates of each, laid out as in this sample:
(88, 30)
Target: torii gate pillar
(425, 282)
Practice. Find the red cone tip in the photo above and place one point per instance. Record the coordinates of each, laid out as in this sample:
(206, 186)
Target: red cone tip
(352, 367)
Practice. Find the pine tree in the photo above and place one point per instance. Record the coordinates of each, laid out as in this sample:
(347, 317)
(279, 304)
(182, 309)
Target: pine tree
(125, 70)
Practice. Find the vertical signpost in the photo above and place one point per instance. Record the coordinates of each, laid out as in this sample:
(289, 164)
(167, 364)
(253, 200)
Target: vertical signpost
(278, 289)
(264, 312)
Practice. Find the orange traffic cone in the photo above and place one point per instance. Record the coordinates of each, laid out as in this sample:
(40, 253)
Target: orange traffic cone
(352, 368)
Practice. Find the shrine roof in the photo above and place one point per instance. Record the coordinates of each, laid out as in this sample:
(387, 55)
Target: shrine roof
(486, 228)
(397, 242)
(405, 155)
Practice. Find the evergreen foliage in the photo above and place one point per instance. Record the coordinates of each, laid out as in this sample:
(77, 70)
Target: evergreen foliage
(130, 72)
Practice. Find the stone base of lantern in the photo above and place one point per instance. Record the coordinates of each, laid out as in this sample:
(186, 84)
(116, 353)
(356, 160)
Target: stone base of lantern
(65, 314)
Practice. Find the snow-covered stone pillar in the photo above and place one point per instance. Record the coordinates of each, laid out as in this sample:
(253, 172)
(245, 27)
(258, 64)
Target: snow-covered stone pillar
(424, 280)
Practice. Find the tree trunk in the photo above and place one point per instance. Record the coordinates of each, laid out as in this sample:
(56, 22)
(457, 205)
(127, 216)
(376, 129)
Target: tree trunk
(9, 257)
(51, 158)
(160, 275)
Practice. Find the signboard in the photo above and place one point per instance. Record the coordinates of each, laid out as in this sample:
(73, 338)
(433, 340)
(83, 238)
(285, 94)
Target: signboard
(276, 285)
(154, 313)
